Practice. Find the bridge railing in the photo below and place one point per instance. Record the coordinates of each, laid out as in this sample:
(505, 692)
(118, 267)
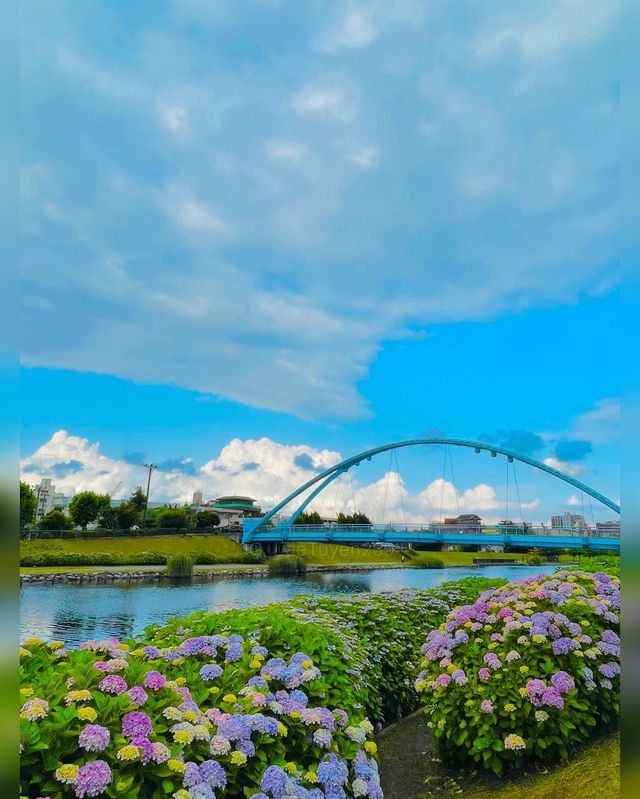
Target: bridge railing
(289, 530)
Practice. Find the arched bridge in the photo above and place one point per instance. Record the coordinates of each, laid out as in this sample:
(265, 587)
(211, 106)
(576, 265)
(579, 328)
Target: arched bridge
(272, 528)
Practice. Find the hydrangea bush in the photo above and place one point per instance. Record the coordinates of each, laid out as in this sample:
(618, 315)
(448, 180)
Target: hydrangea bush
(528, 671)
(212, 715)
(367, 646)
(261, 703)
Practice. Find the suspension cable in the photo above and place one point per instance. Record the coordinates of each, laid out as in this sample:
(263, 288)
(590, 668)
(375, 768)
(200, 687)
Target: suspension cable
(386, 488)
(453, 478)
(444, 474)
(353, 493)
(515, 479)
(506, 506)
(404, 515)
(593, 518)
(335, 499)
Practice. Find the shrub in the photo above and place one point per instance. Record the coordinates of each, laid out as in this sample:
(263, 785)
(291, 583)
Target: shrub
(368, 645)
(172, 518)
(274, 687)
(180, 565)
(287, 564)
(527, 672)
(427, 562)
(211, 712)
(535, 560)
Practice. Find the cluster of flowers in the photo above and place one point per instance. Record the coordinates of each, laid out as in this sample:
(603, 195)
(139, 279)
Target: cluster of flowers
(528, 670)
(206, 714)
(382, 634)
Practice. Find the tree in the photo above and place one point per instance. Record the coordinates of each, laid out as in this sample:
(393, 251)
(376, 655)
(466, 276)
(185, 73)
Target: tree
(137, 500)
(85, 507)
(28, 504)
(55, 520)
(309, 518)
(207, 519)
(356, 518)
(121, 517)
(172, 518)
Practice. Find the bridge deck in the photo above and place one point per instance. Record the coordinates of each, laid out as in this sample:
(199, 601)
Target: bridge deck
(361, 534)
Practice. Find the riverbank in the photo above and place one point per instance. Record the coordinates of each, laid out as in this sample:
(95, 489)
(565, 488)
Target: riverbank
(410, 768)
(99, 574)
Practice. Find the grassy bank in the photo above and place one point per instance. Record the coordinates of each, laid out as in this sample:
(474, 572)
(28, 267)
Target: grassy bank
(593, 774)
(408, 769)
(133, 550)
(336, 554)
(80, 554)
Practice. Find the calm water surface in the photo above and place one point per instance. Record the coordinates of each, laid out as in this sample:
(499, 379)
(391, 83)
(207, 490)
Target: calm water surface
(73, 613)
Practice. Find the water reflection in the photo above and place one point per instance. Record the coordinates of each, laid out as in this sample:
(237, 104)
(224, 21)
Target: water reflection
(73, 613)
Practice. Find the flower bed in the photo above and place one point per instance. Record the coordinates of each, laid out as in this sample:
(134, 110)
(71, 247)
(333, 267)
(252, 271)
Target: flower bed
(213, 713)
(258, 702)
(528, 671)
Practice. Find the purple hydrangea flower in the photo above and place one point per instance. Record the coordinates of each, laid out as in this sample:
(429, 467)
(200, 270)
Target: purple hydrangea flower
(274, 781)
(562, 646)
(113, 684)
(234, 653)
(136, 725)
(94, 738)
(93, 779)
(138, 695)
(212, 772)
(563, 682)
(210, 671)
(154, 680)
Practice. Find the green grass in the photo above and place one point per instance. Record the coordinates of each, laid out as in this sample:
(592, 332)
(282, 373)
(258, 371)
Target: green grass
(593, 774)
(340, 554)
(217, 546)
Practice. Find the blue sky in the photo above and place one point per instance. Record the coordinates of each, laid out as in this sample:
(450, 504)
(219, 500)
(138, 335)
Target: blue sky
(321, 226)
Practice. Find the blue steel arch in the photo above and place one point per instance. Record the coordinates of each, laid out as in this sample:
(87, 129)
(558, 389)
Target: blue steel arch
(323, 479)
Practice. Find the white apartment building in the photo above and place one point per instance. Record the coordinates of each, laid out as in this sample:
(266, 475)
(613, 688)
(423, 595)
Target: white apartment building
(48, 498)
(569, 522)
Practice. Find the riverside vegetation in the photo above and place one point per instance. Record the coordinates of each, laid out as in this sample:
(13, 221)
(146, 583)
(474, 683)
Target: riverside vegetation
(282, 701)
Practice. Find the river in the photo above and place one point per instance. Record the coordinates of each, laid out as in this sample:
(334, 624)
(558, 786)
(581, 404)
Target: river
(74, 613)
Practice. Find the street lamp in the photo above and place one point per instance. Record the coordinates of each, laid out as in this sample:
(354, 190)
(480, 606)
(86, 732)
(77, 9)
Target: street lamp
(150, 467)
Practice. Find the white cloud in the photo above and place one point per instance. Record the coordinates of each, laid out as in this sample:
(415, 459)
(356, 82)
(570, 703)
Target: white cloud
(549, 30)
(574, 500)
(291, 152)
(572, 469)
(324, 102)
(175, 118)
(490, 188)
(355, 30)
(366, 157)
(194, 216)
(261, 468)
(601, 425)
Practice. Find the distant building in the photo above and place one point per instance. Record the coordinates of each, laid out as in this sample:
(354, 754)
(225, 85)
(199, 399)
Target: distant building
(48, 498)
(569, 522)
(231, 509)
(611, 528)
(466, 522)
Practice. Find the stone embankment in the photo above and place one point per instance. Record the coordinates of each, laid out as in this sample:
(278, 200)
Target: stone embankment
(199, 575)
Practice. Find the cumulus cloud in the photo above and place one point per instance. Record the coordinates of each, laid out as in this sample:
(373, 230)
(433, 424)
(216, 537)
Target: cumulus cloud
(572, 469)
(262, 468)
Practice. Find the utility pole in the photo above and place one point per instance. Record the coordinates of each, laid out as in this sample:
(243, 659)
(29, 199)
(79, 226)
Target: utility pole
(150, 467)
